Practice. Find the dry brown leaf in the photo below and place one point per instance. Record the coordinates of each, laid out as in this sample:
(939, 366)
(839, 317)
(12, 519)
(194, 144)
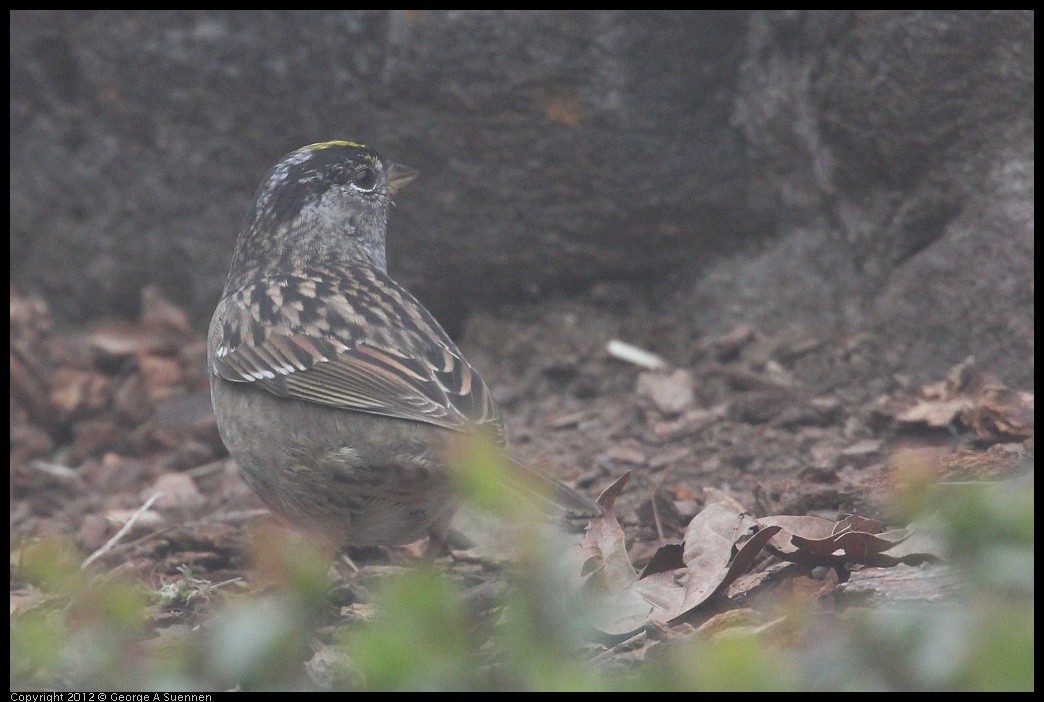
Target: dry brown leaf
(714, 559)
(721, 543)
(732, 618)
(119, 338)
(1001, 414)
(161, 374)
(995, 413)
(818, 541)
(670, 392)
(746, 555)
(605, 538)
(810, 527)
(667, 557)
(608, 597)
(918, 547)
(853, 544)
(934, 413)
(709, 543)
(158, 310)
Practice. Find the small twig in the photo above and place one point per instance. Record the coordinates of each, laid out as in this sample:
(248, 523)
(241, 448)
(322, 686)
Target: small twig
(223, 583)
(243, 515)
(121, 533)
(55, 470)
(143, 539)
(350, 563)
(655, 510)
(207, 468)
(656, 518)
(632, 354)
(624, 645)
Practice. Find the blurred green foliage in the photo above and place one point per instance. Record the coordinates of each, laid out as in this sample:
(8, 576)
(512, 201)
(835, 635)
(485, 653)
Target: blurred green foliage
(426, 629)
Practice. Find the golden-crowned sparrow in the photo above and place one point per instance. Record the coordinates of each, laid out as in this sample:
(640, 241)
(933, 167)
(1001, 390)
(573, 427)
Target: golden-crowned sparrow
(335, 391)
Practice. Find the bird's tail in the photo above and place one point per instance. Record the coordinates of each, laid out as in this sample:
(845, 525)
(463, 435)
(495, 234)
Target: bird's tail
(485, 472)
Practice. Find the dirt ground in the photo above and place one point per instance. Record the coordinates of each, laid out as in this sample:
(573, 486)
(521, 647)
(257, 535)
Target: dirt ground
(802, 422)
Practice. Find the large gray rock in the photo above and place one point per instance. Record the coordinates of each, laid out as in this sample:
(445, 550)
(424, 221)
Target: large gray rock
(898, 150)
(834, 167)
(555, 147)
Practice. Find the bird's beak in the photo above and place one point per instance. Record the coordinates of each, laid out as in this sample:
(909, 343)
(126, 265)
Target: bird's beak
(399, 176)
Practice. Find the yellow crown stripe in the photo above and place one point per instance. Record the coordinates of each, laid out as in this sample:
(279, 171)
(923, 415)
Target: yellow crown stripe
(328, 144)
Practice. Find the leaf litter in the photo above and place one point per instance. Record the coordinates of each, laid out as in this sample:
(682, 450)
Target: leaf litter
(721, 543)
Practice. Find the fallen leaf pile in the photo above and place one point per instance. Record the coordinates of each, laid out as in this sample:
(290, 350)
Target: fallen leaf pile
(966, 400)
(114, 417)
(721, 543)
(106, 417)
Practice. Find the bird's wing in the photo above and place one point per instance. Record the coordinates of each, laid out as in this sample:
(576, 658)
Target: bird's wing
(352, 338)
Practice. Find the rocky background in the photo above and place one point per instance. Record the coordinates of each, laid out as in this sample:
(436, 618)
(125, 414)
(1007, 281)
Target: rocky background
(842, 169)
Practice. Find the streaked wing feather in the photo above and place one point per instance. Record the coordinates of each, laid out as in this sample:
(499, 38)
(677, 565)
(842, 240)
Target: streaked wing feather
(355, 380)
(369, 347)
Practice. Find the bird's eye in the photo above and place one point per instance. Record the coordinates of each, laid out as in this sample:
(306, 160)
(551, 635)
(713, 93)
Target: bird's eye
(365, 178)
